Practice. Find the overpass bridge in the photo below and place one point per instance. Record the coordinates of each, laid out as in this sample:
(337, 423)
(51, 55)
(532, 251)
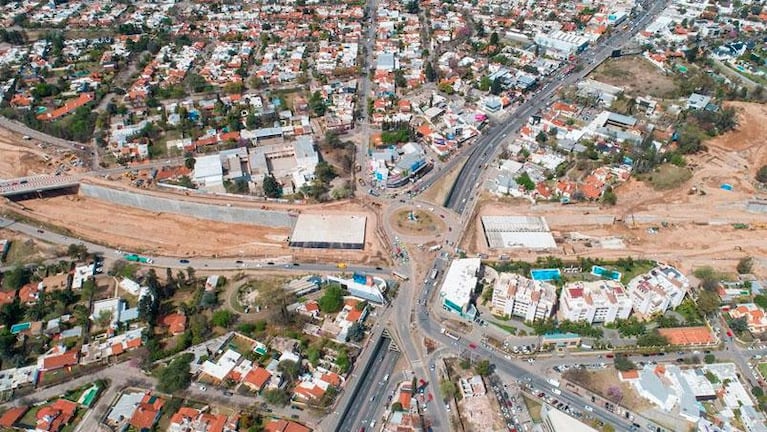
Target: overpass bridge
(39, 183)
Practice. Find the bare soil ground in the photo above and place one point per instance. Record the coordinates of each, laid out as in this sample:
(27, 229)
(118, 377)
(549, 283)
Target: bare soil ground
(20, 157)
(438, 192)
(698, 227)
(175, 235)
(636, 75)
(601, 380)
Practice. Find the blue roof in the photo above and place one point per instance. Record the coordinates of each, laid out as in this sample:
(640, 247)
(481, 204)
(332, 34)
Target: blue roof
(567, 335)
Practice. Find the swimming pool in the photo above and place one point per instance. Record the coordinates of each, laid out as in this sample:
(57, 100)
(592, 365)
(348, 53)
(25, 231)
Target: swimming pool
(545, 274)
(605, 274)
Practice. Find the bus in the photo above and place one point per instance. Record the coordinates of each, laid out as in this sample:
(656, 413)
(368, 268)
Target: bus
(434, 273)
(399, 275)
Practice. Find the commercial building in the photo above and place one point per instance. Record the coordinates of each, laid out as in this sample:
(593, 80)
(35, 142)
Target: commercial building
(504, 232)
(594, 302)
(555, 420)
(329, 232)
(658, 290)
(366, 287)
(560, 44)
(457, 292)
(518, 296)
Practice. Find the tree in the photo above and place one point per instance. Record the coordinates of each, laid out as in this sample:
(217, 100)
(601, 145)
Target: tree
(609, 197)
(189, 162)
(709, 358)
(396, 406)
(622, 363)
(431, 76)
(290, 370)
(652, 338)
(148, 309)
(77, 251)
(757, 391)
(614, 393)
(761, 175)
(175, 376)
(482, 368)
(761, 300)
(412, 7)
(222, 318)
(272, 188)
(343, 362)
(541, 137)
(324, 172)
(447, 389)
(278, 396)
(496, 87)
(708, 302)
(525, 181)
(494, 38)
(104, 318)
(332, 300)
(739, 325)
(745, 265)
(356, 332)
(317, 104)
(15, 279)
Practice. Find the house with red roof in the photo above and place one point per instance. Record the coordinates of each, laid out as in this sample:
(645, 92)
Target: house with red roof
(29, 293)
(7, 297)
(285, 426)
(175, 323)
(67, 108)
(147, 412)
(754, 315)
(188, 419)
(53, 417)
(257, 379)
(57, 358)
(12, 416)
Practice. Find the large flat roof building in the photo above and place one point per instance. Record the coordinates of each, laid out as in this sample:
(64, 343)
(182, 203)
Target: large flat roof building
(458, 287)
(658, 290)
(594, 302)
(505, 232)
(366, 287)
(518, 296)
(329, 232)
(555, 420)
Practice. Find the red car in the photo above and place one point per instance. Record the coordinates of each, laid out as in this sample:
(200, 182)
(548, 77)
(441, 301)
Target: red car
(729, 333)
(473, 345)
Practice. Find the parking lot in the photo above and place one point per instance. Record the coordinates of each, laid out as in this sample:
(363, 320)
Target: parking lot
(513, 409)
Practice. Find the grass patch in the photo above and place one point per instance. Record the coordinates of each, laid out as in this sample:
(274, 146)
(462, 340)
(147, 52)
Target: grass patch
(239, 298)
(505, 327)
(424, 222)
(762, 369)
(22, 252)
(534, 407)
(667, 177)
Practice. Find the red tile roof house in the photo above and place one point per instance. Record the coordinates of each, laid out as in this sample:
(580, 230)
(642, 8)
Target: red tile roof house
(55, 416)
(257, 378)
(285, 426)
(13, 415)
(176, 323)
(58, 359)
(147, 413)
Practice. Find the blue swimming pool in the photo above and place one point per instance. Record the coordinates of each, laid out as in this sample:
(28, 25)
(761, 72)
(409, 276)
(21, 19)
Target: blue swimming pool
(605, 273)
(545, 274)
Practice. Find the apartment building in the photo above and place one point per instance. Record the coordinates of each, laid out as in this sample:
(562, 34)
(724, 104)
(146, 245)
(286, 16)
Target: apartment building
(457, 292)
(518, 296)
(658, 290)
(595, 302)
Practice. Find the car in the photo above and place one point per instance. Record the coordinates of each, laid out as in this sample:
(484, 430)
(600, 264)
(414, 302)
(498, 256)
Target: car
(228, 393)
(184, 261)
(296, 264)
(431, 367)
(203, 388)
(238, 262)
(270, 263)
(40, 231)
(379, 268)
(473, 345)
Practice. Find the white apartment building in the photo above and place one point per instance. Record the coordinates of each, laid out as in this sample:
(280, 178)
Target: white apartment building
(595, 302)
(658, 290)
(518, 296)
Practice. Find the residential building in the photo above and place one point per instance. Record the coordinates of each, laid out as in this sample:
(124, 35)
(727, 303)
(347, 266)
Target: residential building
(208, 171)
(457, 292)
(658, 290)
(188, 419)
(366, 287)
(698, 101)
(53, 417)
(147, 412)
(594, 302)
(282, 425)
(555, 420)
(754, 315)
(518, 296)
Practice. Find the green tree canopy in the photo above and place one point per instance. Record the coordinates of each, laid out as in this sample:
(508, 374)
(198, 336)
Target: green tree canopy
(175, 376)
(332, 300)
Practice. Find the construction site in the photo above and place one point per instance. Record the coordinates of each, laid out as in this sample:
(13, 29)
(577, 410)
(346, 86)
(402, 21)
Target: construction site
(715, 217)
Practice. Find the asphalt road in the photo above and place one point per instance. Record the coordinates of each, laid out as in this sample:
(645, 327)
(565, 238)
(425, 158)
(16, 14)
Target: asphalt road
(488, 145)
(371, 401)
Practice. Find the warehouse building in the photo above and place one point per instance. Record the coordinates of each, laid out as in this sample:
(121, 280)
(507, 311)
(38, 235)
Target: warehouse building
(506, 232)
(329, 232)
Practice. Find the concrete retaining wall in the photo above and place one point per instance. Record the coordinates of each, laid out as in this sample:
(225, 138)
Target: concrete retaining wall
(213, 212)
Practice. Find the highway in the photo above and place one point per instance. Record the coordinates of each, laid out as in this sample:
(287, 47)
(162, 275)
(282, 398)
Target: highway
(372, 399)
(487, 146)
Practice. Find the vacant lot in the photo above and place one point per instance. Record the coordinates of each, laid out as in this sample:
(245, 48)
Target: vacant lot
(667, 177)
(636, 75)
